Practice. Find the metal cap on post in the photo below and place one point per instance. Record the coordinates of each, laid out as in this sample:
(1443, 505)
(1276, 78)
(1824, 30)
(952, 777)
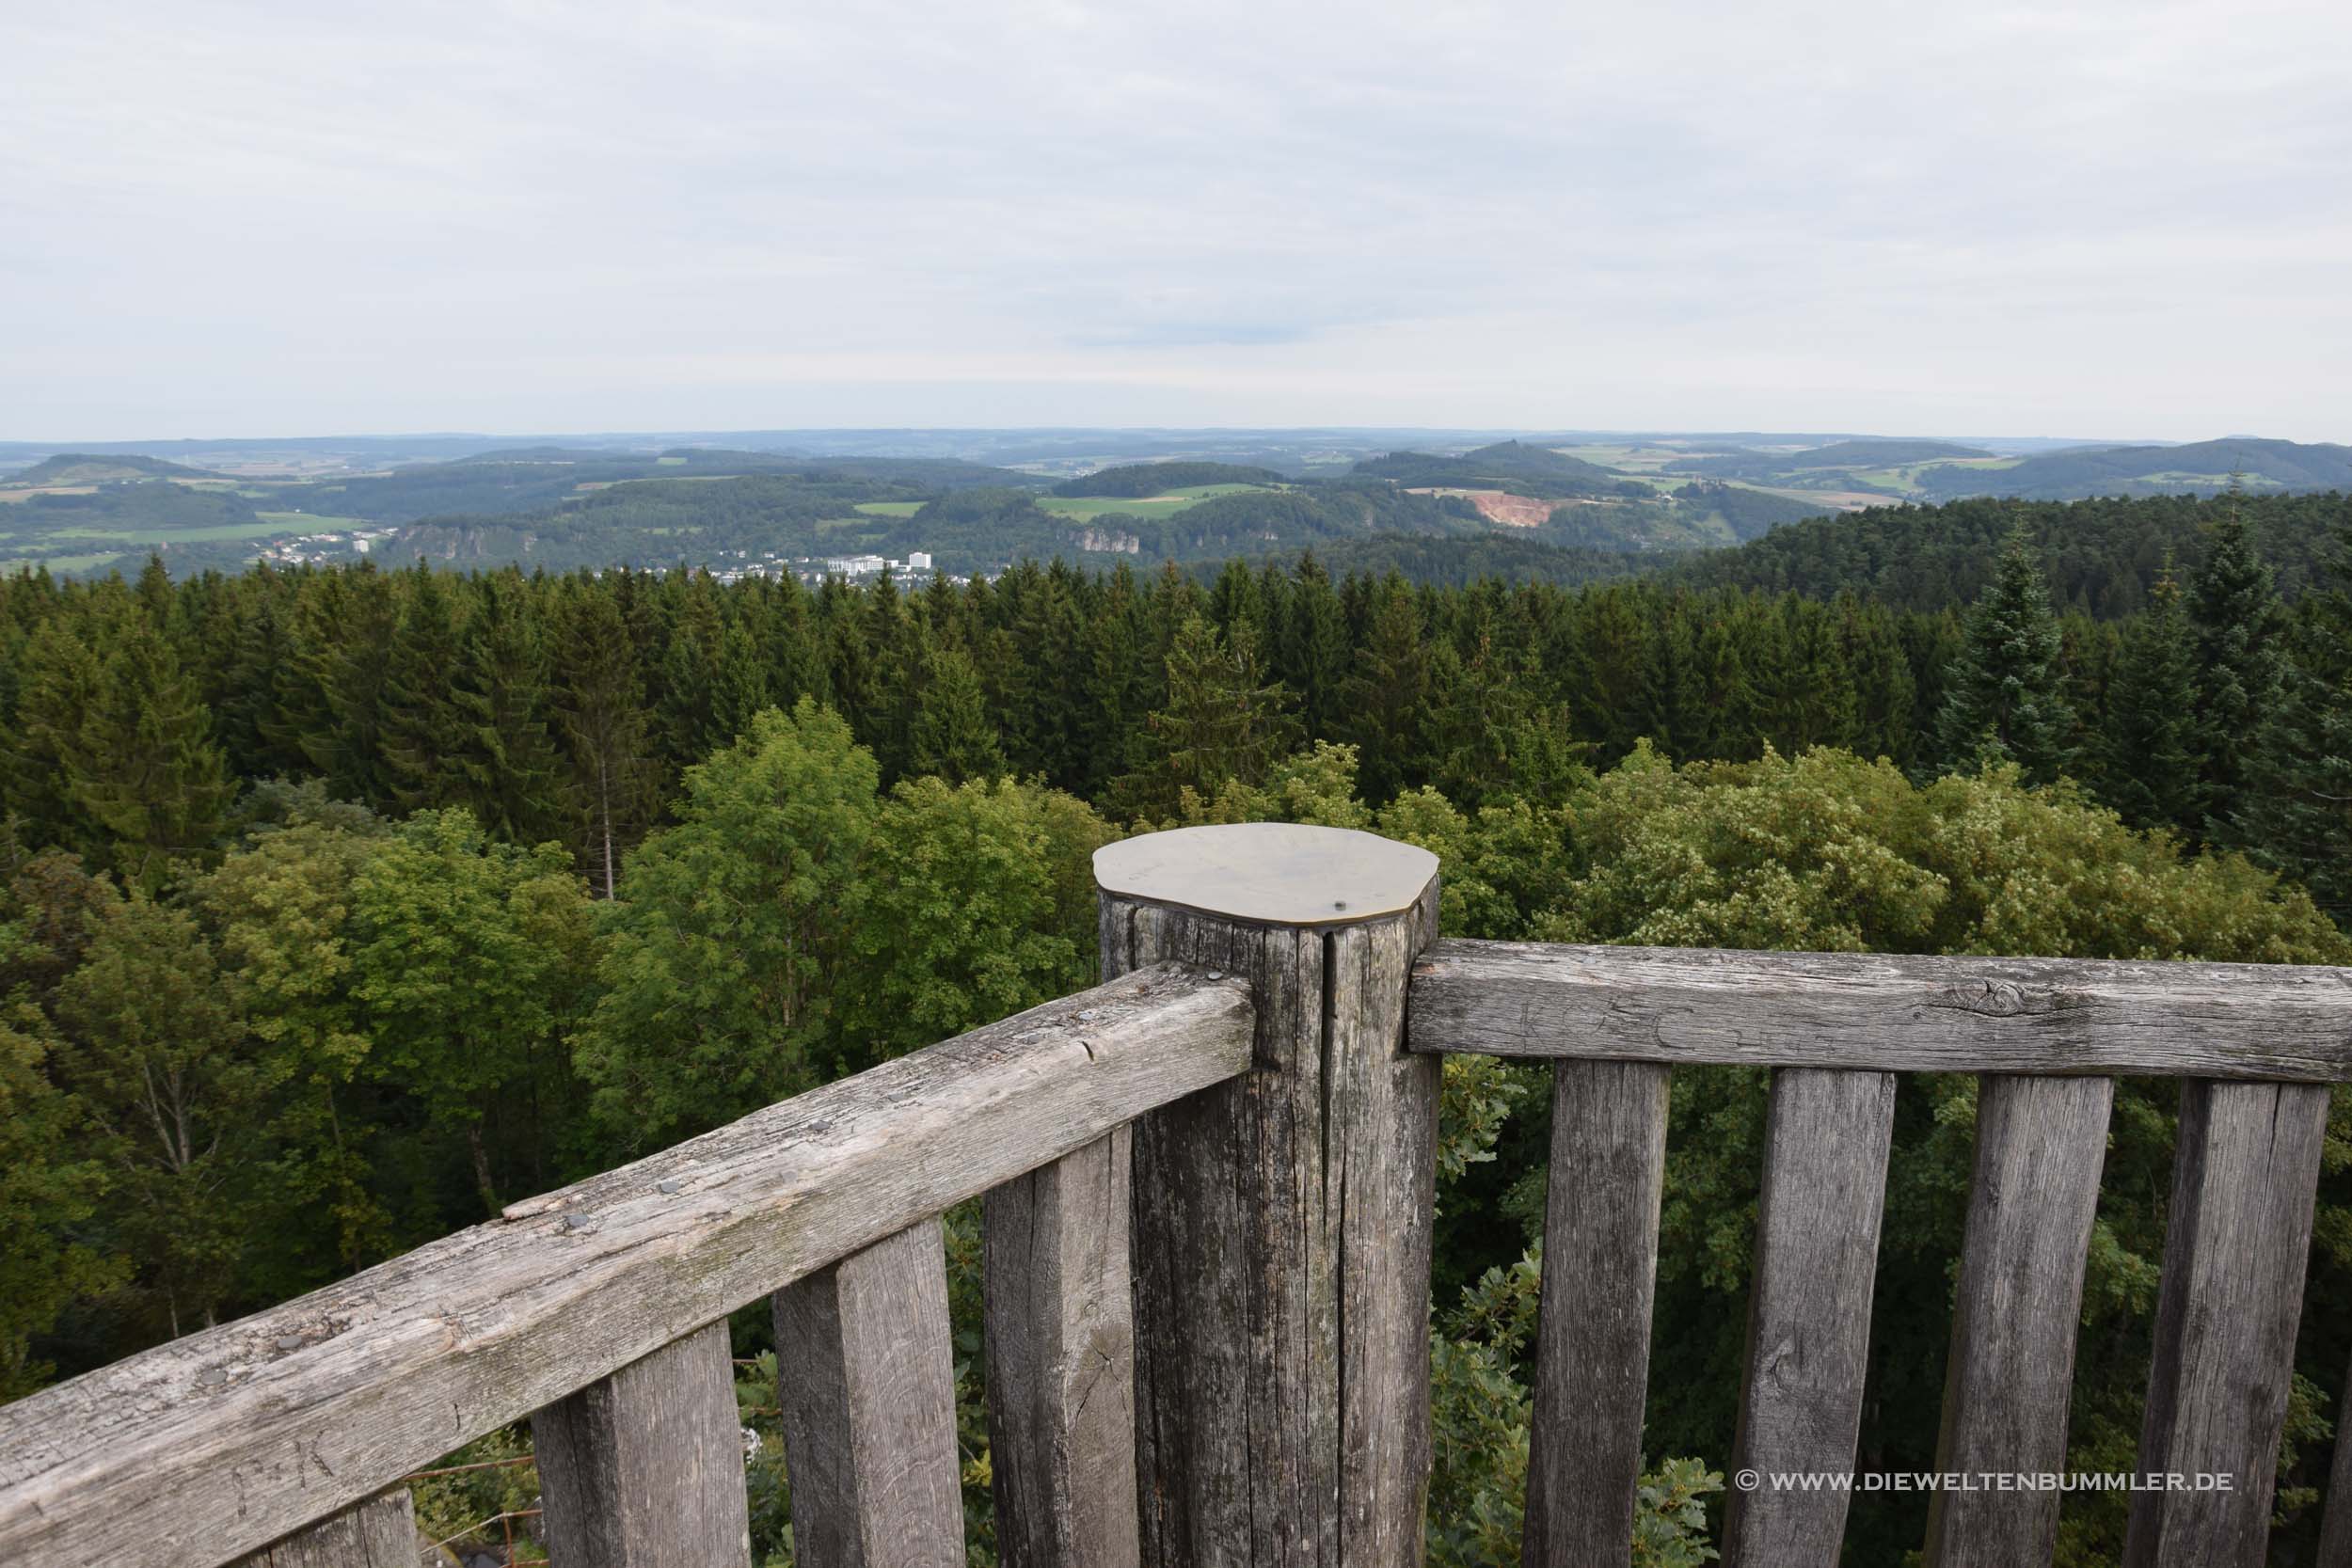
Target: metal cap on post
(1283, 1220)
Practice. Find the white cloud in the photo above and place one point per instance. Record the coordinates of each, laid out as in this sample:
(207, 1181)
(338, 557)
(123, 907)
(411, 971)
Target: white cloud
(2087, 218)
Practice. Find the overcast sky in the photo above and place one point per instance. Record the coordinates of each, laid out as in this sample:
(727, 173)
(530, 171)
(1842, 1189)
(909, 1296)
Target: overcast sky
(1961, 217)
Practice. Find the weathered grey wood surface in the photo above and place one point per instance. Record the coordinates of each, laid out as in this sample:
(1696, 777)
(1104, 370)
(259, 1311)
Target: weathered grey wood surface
(1268, 873)
(1061, 1362)
(865, 1372)
(199, 1450)
(1600, 1272)
(644, 1468)
(2041, 1145)
(2245, 1174)
(2335, 1536)
(1878, 1012)
(378, 1533)
(1282, 1227)
(1816, 1235)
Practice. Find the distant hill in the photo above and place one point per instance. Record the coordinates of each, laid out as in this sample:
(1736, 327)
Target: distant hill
(2201, 467)
(1847, 454)
(531, 479)
(1809, 466)
(1159, 478)
(77, 468)
(1514, 465)
(2102, 556)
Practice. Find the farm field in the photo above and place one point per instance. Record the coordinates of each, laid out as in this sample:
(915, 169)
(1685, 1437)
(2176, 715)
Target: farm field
(1905, 481)
(1843, 500)
(305, 524)
(58, 563)
(1085, 509)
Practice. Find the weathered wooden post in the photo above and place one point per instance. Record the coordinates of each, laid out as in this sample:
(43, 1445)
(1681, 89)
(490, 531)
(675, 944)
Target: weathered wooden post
(1283, 1220)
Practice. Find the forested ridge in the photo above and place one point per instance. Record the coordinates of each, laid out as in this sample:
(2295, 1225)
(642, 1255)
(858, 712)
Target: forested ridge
(339, 906)
(2103, 558)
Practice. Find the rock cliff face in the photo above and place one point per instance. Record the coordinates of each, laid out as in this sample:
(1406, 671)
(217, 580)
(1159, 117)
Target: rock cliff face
(1105, 539)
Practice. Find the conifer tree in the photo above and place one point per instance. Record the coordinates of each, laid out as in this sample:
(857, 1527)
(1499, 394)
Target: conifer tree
(2298, 820)
(1882, 685)
(599, 708)
(2005, 696)
(1387, 695)
(2148, 771)
(57, 688)
(711, 678)
(1735, 729)
(1680, 714)
(503, 762)
(1116, 686)
(422, 729)
(142, 765)
(1224, 721)
(1315, 651)
(951, 735)
(293, 717)
(264, 651)
(1609, 673)
(2237, 626)
(351, 641)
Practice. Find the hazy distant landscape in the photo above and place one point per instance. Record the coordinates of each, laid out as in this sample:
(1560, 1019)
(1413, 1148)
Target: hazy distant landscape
(845, 502)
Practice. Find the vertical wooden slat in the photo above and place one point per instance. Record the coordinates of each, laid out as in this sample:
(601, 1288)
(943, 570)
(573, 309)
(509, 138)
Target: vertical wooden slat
(378, 1533)
(2041, 1145)
(644, 1468)
(1284, 1221)
(1600, 1272)
(2335, 1535)
(865, 1376)
(1061, 1358)
(1817, 1235)
(2245, 1175)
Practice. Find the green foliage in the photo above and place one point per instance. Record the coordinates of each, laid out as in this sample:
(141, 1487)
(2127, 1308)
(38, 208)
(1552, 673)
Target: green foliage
(721, 953)
(1225, 721)
(2101, 557)
(50, 1187)
(1480, 1409)
(952, 737)
(2007, 700)
(2237, 626)
(2149, 766)
(468, 957)
(2298, 818)
(976, 902)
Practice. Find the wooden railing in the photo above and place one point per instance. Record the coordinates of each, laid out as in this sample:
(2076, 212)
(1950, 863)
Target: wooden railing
(1209, 1197)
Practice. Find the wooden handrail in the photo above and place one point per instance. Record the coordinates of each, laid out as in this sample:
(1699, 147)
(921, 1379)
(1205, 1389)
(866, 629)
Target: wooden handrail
(2258, 1045)
(214, 1444)
(1877, 1012)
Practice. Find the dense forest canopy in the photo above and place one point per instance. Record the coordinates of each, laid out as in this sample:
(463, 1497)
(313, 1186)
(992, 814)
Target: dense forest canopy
(1157, 479)
(339, 905)
(2103, 557)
